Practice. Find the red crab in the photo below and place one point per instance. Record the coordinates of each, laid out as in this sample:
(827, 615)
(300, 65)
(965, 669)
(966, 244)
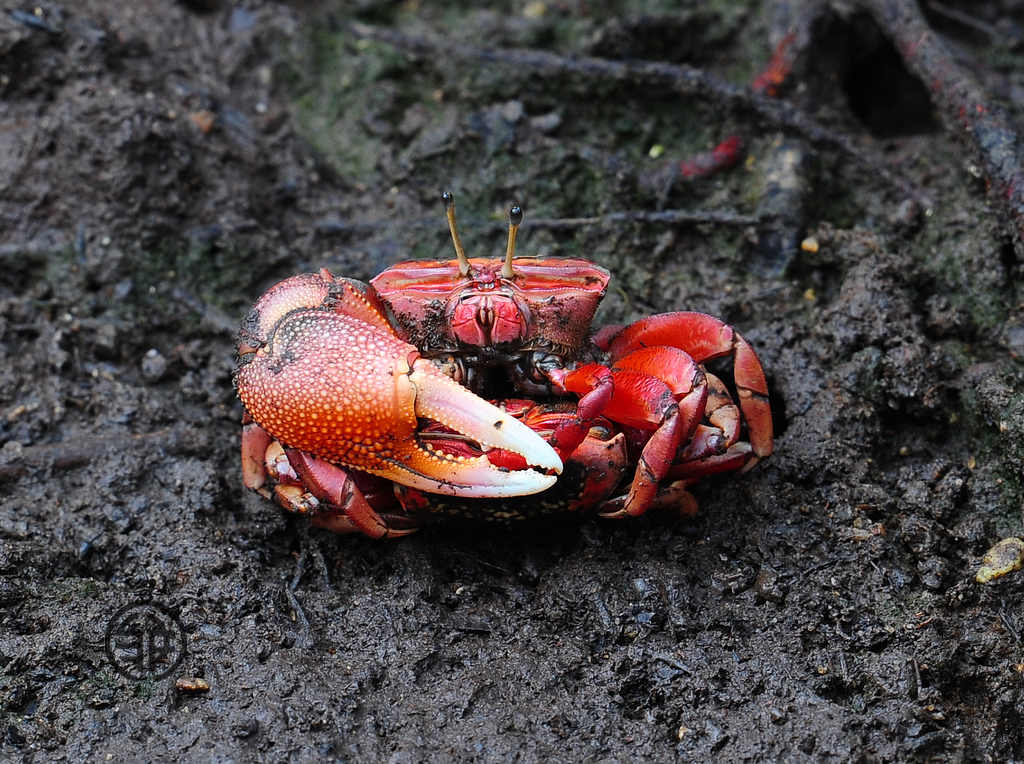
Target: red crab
(376, 389)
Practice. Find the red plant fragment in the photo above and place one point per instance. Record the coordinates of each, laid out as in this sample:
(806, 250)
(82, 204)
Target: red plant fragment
(724, 155)
(771, 78)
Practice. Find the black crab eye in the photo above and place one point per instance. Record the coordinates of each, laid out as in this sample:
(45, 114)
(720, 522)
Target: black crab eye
(515, 215)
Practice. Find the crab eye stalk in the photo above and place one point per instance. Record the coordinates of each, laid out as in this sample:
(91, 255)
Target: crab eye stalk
(515, 217)
(460, 253)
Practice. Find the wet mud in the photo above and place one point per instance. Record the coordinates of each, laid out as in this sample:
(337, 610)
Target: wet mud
(163, 163)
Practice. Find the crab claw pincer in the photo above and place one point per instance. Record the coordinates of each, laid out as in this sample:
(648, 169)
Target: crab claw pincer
(321, 370)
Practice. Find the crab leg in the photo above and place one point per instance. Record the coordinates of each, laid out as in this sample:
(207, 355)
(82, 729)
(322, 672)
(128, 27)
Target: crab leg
(705, 337)
(660, 388)
(724, 424)
(596, 388)
(254, 448)
(642, 397)
(738, 457)
(721, 411)
(332, 379)
(303, 484)
(336, 487)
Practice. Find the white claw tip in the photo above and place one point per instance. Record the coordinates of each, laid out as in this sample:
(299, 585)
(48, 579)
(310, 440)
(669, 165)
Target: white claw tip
(442, 399)
(513, 435)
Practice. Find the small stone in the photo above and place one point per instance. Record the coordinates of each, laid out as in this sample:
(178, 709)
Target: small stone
(513, 111)
(11, 451)
(154, 365)
(203, 119)
(1005, 557)
(546, 123)
(907, 215)
(413, 120)
(191, 684)
(768, 587)
(1015, 339)
(247, 729)
(732, 581)
(933, 571)
(106, 341)
(535, 10)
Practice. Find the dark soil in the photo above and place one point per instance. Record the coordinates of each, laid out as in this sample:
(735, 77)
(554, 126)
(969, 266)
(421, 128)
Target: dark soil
(161, 163)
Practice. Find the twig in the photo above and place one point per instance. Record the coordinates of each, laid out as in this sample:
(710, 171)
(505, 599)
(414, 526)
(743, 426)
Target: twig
(304, 639)
(966, 19)
(659, 217)
(685, 80)
(662, 217)
(963, 104)
(1008, 623)
(308, 548)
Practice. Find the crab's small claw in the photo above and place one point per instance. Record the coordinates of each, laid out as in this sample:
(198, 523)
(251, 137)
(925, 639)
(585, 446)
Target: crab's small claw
(333, 380)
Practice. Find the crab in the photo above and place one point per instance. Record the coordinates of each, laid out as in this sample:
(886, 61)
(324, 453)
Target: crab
(365, 403)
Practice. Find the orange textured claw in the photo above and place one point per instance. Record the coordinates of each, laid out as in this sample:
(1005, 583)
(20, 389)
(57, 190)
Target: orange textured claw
(322, 371)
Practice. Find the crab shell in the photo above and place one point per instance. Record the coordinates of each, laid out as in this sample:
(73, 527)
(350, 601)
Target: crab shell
(550, 304)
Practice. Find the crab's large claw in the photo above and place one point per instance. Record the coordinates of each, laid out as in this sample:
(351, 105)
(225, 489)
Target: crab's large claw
(321, 370)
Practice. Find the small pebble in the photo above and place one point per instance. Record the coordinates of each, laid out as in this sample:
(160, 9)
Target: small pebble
(1015, 339)
(546, 123)
(192, 684)
(513, 111)
(203, 119)
(535, 10)
(154, 365)
(768, 587)
(1005, 557)
(810, 244)
(906, 215)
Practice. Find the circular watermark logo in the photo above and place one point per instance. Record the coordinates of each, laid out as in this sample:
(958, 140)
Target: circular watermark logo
(145, 641)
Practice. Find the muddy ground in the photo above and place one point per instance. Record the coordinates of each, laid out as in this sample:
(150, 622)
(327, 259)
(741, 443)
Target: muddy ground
(161, 163)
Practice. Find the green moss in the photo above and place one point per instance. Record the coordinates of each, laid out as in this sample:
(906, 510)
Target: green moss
(350, 84)
(208, 271)
(145, 689)
(74, 589)
(353, 95)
